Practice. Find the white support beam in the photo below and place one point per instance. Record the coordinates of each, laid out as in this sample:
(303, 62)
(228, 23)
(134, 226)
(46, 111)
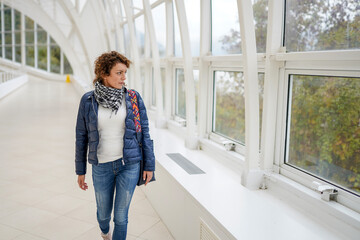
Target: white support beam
(204, 78)
(191, 140)
(271, 82)
(133, 46)
(251, 176)
(160, 119)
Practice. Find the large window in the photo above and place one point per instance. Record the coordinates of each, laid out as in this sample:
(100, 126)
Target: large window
(41, 51)
(323, 136)
(322, 25)
(226, 28)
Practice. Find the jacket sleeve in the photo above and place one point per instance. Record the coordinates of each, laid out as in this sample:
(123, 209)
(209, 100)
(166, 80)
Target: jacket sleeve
(147, 142)
(81, 144)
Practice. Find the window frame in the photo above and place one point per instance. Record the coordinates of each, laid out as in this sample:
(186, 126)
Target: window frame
(344, 197)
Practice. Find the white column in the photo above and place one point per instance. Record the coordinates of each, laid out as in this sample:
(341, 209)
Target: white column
(160, 119)
(251, 176)
(191, 140)
(134, 47)
(205, 49)
(169, 53)
(272, 68)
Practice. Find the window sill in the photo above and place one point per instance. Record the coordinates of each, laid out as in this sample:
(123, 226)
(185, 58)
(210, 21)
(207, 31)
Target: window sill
(333, 214)
(285, 208)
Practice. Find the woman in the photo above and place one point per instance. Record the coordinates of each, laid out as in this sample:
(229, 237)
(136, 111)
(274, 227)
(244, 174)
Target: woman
(106, 136)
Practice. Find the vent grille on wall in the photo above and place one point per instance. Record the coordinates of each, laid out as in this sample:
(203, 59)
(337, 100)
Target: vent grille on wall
(206, 233)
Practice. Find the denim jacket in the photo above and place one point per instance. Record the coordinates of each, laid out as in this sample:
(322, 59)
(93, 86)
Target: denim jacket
(87, 135)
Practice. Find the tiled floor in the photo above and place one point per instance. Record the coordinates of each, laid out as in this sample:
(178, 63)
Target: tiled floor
(39, 196)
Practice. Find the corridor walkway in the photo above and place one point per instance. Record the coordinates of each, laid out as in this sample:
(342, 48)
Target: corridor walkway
(39, 196)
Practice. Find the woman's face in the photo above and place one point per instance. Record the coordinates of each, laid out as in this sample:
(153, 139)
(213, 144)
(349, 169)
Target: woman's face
(117, 76)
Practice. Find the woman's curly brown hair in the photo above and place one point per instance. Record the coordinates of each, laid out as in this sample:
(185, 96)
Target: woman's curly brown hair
(105, 62)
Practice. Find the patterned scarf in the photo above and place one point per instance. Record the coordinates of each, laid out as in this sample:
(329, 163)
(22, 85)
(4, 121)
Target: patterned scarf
(108, 97)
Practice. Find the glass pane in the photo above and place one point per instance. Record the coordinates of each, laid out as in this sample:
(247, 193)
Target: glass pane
(17, 38)
(140, 34)
(7, 19)
(178, 48)
(1, 55)
(29, 23)
(0, 37)
(260, 8)
(180, 103)
(41, 37)
(192, 8)
(138, 4)
(8, 52)
(67, 66)
(180, 108)
(17, 20)
(160, 28)
(18, 54)
(225, 27)
(8, 38)
(55, 59)
(229, 105)
(322, 25)
(29, 37)
(30, 56)
(42, 57)
(324, 128)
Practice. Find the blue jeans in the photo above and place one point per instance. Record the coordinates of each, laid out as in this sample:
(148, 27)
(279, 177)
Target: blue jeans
(110, 178)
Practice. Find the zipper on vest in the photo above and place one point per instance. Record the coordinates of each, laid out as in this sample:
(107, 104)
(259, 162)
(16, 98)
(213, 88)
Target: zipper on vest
(123, 163)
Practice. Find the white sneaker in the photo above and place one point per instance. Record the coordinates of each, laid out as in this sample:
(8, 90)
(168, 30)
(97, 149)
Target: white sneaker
(106, 236)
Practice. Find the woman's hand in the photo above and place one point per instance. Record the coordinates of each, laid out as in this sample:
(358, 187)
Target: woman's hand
(148, 176)
(81, 181)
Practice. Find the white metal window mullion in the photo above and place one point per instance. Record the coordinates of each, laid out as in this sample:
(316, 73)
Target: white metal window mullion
(271, 82)
(23, 48)
(204, 77)
(191, 140)
(48, 52)
(61, 61)
(13, 34)
(251, 176)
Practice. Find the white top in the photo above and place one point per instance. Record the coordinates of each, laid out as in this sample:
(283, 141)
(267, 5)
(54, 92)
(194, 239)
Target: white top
(111, 129)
